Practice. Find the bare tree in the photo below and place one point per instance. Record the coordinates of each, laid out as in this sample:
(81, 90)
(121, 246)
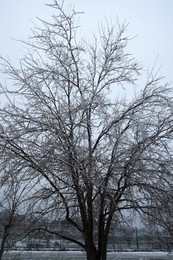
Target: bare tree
(160, 216)
(13, 195)
(88, 156)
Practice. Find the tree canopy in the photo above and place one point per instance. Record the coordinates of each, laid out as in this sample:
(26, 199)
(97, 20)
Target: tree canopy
(87, 156)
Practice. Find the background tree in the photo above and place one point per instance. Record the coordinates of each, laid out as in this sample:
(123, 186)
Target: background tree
(88, 155)
(13, 206)
(160, 216)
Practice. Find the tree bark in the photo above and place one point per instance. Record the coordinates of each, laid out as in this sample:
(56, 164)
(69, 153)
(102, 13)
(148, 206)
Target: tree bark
(91, 251)
(94, 254)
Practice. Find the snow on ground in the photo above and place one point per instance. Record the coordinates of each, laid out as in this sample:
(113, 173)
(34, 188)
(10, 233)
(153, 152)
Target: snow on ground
(143, 255)
(81, 255)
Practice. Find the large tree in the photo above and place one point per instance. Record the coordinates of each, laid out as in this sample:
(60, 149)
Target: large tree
(90, 156)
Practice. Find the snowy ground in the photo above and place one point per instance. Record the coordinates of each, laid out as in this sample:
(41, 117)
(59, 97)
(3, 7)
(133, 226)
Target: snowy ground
(50, 255)
(143, 255)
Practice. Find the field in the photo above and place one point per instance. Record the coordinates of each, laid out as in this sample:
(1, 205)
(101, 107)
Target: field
(52, 255)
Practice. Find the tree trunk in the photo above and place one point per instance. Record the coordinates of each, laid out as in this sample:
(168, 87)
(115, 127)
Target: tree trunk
(93, 254)
(91, 250)
(104, 253)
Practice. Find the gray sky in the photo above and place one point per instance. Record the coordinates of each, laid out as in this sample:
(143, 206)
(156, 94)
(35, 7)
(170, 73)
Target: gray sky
(151, 21)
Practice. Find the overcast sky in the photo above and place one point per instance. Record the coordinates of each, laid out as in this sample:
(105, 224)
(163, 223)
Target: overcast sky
(151, 21)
